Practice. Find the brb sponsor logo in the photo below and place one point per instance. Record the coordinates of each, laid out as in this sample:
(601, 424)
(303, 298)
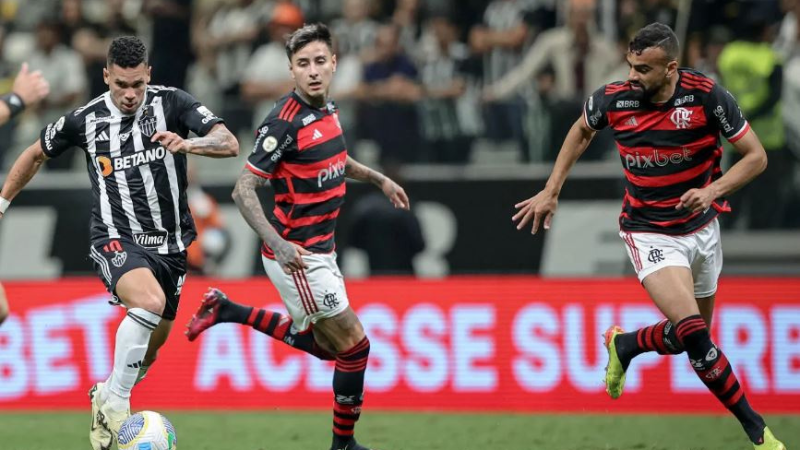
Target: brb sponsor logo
(334, 170)
(657, 158)
(107, 165)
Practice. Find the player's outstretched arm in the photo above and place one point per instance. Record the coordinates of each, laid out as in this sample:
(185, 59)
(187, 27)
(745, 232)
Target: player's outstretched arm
(753, 162)
(543, 205)
(29, 88)
(288, 255)
(396, 194)
(24, 168)
(218, 143)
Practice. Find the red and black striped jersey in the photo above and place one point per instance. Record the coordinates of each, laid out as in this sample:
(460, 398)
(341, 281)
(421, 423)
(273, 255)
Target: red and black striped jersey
(667, 148)
(301, 149)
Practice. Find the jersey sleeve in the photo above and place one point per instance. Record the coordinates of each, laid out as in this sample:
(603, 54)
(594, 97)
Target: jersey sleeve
(61, 135)
(595, 110)
(725, 114)
(274, 139)
(192, 114)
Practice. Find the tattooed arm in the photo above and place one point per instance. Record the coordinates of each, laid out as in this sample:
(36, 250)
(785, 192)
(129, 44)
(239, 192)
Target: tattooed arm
(218, 143)
(246, 198)
(357, 171)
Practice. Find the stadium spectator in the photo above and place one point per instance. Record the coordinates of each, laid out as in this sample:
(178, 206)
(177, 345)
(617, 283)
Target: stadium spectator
(501, 39)
(265, 79)
(171, 36)
(91, 39)
(346, 89)
(786, 43)
(752, 71)
(388, 114)
(580, 58)
(355, 31)
(442, 76)
(229, 36)
(63, 67)
(579, 55)
(409, 17)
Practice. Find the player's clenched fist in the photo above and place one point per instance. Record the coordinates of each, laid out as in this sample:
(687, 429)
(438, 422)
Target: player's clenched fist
(541, 206)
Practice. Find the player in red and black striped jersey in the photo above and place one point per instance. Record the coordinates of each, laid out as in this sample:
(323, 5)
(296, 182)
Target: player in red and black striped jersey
(667, 123)
(666, 149)
(300, 150)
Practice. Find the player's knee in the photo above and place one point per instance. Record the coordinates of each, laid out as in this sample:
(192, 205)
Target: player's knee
(150, 301)
(359, 350)
(355, 336)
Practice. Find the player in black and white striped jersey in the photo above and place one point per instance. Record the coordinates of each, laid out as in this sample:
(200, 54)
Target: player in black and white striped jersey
(134, 138)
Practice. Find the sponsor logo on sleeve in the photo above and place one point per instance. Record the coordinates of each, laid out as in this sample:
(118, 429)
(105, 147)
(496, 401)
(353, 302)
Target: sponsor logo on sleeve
(269, 144)
(719, 111)
(208, 116)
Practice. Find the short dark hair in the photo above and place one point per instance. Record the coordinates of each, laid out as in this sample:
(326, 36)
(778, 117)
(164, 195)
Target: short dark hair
(126, 52)
(656, 35)
(306, 35)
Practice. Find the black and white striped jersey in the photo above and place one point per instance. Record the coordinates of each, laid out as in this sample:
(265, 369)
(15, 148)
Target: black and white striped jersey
(139, 187)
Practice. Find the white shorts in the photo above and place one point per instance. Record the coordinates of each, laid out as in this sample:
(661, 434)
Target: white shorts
(311, 294)
(701, 252)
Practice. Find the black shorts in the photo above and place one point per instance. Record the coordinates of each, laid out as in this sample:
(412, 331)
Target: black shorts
(115, 257)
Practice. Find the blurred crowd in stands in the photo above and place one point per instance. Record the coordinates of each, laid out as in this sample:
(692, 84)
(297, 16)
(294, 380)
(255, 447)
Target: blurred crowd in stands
(425, 81)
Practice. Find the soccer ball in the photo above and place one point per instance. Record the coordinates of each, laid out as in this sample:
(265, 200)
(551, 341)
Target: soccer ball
(147, 430)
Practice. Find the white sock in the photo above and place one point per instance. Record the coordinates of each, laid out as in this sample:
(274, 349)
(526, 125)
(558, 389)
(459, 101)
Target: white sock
(133, 335)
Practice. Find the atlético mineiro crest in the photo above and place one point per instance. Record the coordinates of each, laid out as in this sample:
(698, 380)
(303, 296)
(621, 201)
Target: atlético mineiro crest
(148, 122)
(119, 258)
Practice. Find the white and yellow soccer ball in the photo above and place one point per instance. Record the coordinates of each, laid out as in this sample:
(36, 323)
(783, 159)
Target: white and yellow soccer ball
(147, 430)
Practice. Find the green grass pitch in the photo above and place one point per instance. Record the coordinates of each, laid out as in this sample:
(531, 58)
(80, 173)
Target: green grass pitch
(293, 430)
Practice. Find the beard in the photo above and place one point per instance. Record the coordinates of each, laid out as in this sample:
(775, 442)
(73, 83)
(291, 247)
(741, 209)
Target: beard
(646, 92)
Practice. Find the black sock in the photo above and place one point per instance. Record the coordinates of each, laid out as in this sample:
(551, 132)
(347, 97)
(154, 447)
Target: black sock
(272, 324)
(660, 338)
(716, 373)
(348, 391)
(233, 312)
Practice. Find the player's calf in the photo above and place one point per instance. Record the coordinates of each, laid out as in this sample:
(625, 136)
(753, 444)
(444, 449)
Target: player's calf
(716, 373)
(348, 391)
(218, 308)
(660, 338)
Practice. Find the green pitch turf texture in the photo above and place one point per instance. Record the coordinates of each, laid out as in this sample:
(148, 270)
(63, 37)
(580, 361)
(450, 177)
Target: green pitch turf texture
(292, 430)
